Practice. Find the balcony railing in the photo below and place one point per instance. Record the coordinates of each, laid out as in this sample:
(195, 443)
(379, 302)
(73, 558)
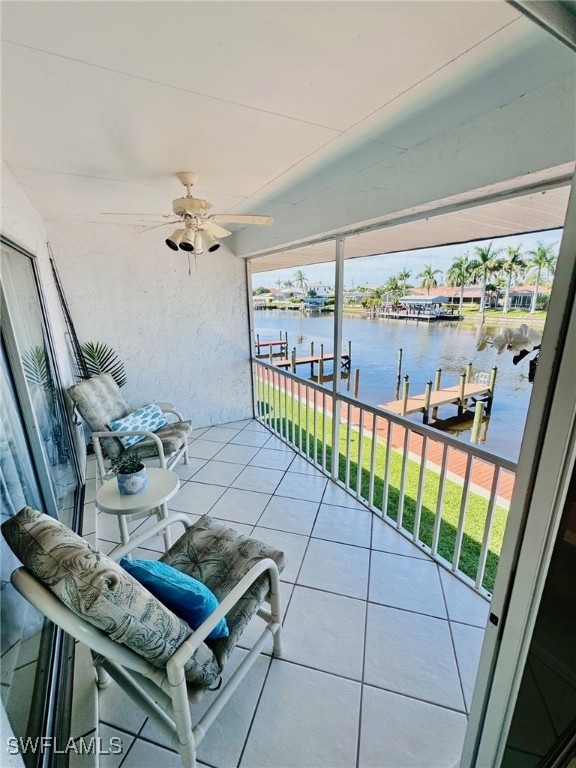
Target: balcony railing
(449, 498)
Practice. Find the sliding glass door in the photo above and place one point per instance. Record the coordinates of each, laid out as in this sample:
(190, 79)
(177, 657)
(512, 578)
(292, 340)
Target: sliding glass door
(38, 469)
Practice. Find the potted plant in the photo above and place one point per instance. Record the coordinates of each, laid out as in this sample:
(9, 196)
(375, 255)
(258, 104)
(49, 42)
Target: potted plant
(130, 473)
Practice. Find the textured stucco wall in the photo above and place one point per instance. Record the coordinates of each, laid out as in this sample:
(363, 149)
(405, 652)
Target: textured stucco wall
(182, 338)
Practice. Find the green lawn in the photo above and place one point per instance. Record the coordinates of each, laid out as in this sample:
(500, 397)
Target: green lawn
(296, 423)
(520, 315)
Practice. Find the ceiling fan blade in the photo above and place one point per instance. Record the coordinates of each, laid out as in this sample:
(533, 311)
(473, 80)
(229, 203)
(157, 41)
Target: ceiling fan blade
(155, 215)
(239, 218)
(166, 224)
(215, 229)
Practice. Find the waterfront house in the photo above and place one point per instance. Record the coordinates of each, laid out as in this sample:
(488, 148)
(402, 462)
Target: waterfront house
(521, 297)
(321, 290)
(361, 133)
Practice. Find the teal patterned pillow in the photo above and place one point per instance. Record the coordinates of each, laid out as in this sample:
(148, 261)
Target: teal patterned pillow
(182, 594)
(149, 417)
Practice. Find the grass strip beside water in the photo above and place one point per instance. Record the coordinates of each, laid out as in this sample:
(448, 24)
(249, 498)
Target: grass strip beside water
(314, 436)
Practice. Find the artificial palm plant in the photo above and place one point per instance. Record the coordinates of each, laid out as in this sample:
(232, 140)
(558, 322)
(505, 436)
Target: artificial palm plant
(100, 358)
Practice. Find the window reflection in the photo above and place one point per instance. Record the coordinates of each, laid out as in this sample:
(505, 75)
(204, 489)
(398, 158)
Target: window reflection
(36, 469)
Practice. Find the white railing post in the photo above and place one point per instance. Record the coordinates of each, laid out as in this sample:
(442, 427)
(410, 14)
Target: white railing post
(338, 306)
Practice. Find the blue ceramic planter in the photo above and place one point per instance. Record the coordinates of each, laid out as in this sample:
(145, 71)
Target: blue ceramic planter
(133, 483)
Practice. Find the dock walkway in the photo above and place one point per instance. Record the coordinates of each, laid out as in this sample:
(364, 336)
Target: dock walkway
(436, 399)
(312, 360)
(480, 391)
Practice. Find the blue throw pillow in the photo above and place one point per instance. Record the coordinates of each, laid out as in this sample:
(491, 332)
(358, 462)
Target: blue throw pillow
(148, 417)
(185, 596)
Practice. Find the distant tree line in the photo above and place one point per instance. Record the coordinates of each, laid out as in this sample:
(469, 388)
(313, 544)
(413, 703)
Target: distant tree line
(495, 270)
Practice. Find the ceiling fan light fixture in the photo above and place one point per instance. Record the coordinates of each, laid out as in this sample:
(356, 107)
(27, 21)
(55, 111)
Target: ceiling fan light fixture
(187, 240)
(174, 240)
(198, 243)
(210, 242)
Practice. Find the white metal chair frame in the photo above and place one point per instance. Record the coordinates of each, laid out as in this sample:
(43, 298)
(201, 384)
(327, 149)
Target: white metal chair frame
(163, 693)
(165, 461)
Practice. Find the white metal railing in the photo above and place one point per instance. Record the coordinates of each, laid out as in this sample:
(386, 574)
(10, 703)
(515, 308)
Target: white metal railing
(448, 497)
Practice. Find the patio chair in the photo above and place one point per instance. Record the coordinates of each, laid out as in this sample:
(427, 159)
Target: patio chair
(153, 655)
(100, 402)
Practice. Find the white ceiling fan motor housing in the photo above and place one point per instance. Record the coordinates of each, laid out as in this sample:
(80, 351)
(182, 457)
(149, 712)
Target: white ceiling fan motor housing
(192, 206)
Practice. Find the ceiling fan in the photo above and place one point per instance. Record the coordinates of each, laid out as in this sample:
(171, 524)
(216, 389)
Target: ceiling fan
(198, 229)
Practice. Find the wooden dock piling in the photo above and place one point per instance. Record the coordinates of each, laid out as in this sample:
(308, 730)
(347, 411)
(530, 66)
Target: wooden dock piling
(462, 399)
(356, 382)
(405, 390)
(398, 373)
(493, 373)
(478, 414)
(437, 380)
(427, 395)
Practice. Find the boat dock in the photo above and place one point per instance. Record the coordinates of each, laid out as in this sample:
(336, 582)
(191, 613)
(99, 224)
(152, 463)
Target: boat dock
(313, 359)
(269, 347)
(435, 396)
(418, 316)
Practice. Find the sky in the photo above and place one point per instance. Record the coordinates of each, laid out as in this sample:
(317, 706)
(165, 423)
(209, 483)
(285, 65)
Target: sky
(375, 270)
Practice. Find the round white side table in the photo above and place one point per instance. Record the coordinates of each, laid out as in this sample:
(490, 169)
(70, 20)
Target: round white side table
(162, 486)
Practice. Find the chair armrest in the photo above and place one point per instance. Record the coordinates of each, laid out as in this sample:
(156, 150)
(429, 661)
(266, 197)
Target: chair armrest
(175, 664)
(149, 533)
(166, 407)
(122, 433)
(171, 408)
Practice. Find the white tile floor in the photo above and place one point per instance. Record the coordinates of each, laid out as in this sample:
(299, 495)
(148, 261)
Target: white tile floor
(380, 644)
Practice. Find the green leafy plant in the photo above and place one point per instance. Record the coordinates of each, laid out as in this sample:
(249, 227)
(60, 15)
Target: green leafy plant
(126, 463)
(100, 358)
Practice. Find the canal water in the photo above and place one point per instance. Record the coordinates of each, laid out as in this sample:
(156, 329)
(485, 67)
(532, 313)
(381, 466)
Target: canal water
(426, 347)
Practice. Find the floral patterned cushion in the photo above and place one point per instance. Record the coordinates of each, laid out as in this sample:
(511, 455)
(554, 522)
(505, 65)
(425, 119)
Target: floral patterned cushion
(99, 401)
(173, 437)
(219, 557)
(96, 588)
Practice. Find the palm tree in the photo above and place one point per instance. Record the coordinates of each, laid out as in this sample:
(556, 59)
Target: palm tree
(482, 266)
(543, 257)
(279, 283)
(428, 280)
(458, 274)
(512, 266)
(300, 281)
(403, 277)
(392, 285)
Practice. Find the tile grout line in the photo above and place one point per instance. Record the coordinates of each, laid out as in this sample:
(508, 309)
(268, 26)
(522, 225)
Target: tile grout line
(362, 683)
(463, 694)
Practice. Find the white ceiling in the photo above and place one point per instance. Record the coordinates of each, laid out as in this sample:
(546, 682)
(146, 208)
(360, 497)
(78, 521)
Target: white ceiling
(515, 216)
(102, 102)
